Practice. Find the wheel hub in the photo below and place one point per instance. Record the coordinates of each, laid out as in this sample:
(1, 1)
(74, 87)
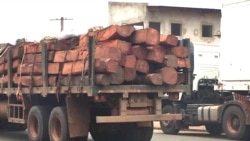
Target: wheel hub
(235, 123)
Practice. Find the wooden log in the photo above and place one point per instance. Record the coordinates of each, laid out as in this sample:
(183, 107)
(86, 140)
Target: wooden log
(107, 52)
(142, 66)
(17, 52)
(140, 52)
(74, 81)
(129, 74)
(84, 41)
(26, 69)
(102, 79)
(170, 61)
(106, 65)
(129, 61)
(51, 45)
(168, 40)
(33, 80)
(73, 68)
(180, 51)
(66, 56)
(169, 75)
(183, 63)
(4, 66)
(36, 58)
(125, 47)
(114, 32)
(118, 77)
(181, 78)
(148, 36)
(156, 54)
(153, 79)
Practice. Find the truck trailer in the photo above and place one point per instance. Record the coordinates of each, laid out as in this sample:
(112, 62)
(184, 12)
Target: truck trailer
(221, 104)
(63, 89)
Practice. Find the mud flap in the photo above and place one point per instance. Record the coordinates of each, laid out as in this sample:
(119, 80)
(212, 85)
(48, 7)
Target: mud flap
(78, 115)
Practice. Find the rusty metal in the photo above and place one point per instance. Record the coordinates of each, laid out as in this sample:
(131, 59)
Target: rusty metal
(78, 112)
(9, 71)
(139, 100)
(3, 109)
(45, 70)
(137, 118)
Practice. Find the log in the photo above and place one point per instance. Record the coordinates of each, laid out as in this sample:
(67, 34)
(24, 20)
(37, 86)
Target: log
(17, 52)
(114, 32)
(180, 51)
(169, 75)
(124, 47)
(148, 36)
(139, 51)
(142, 66)
(153, 79)
(74, 81)
(170, 61)
(74, 68)
(51, 45)
(66, 56)
(102, 79)
(84, 41)
(183, 63)
(4, 66)
(33, 81)
(118, 77)
(129, 74)
(129, 61)
(107, 52)
(181, 78)
(106, 65)
(156, 55)
(169, 40)
(26, 69)
(36, 58)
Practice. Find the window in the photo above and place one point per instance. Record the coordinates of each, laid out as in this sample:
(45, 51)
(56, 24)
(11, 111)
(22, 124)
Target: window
(207, 30)
(155, 25)
(176, 29)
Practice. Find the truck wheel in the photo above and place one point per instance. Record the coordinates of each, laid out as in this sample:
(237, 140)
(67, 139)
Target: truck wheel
(168, 127)
(214, 128)
(37, 124)
(233, 123)
(58, 125)
(146, 133)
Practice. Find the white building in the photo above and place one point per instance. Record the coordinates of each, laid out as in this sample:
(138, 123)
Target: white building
(196, 22)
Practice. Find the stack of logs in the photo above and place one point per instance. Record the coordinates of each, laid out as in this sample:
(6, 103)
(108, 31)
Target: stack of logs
(123, 55)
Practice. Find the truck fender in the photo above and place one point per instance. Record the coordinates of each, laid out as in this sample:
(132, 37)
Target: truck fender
(244, 105)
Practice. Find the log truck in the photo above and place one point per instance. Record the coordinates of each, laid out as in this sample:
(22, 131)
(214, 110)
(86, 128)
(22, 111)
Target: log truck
(108, 83)
(222, 104)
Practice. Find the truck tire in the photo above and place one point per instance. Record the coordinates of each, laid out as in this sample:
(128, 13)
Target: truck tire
(233, 123)
(146, 133)
(214, 129)
(58, 125)
(168, 127)
(37, 124)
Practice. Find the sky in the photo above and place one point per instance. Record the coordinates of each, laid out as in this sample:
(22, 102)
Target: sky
(30, 19)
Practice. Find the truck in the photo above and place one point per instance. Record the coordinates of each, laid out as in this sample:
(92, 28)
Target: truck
(48, 90)
(221, 104)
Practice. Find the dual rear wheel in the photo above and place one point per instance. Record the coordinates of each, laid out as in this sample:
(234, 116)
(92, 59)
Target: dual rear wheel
(44, 125)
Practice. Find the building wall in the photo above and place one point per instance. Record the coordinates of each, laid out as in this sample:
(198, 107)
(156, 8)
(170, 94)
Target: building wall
(191, 19)
(127, 13)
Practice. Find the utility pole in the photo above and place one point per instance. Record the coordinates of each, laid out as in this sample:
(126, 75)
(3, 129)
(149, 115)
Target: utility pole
(62, 19)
